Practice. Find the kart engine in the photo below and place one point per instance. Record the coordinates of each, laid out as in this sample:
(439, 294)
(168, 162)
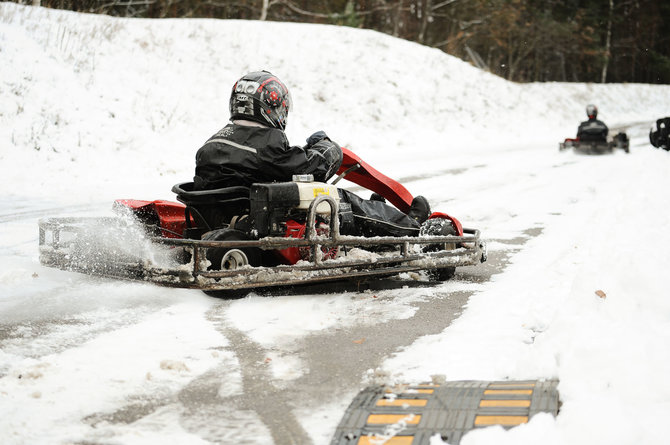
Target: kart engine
(274, 204)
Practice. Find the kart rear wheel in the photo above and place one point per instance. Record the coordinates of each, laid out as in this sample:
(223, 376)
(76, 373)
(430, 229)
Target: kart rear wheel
(230, 259)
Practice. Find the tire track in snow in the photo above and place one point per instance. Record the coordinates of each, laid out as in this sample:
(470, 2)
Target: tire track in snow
(273, 406)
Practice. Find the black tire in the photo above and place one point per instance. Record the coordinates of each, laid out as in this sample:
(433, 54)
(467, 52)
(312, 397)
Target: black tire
(439, 227)
(234, 257)
(230, 259)
(441, 274)
(233, 294)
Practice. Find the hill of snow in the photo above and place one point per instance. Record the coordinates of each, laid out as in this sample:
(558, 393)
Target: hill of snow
(85, 89)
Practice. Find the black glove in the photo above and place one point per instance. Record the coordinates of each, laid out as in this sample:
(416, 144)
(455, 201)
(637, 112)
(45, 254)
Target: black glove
(330, 158)
(317, 137)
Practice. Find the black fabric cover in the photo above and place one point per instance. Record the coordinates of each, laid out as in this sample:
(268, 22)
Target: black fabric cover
(376, 218)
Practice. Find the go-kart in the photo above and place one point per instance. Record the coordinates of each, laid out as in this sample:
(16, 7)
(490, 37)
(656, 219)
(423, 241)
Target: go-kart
(659, 137)
(596, 147)
(271, 235)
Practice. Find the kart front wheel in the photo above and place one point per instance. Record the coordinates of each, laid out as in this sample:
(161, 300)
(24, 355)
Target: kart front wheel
(441, 274)
(439, 227)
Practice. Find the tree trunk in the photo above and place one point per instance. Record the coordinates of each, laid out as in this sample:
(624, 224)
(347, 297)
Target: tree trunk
(398, 19)
(264, 10)
(608, 42)
(425, 18)
(564, 76)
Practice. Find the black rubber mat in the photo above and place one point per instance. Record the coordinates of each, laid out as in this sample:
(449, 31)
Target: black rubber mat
(412, 414)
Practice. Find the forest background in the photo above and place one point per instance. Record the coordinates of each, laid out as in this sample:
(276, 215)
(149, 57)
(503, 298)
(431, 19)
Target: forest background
(519, 40)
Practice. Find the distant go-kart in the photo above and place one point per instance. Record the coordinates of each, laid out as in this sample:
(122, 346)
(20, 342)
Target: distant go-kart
(660, 136)
(229, 241)
(620, 141)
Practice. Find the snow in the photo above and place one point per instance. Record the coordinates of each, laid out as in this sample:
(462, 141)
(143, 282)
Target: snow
(94, 108)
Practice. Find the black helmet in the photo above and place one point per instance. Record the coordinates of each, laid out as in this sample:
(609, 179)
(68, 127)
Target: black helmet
(591, 111)
(261, 97)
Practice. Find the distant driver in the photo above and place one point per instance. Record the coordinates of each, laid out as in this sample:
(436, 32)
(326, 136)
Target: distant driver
(592, 130)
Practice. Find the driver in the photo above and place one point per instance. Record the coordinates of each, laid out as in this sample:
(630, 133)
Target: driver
(592, 130)
(253, 148)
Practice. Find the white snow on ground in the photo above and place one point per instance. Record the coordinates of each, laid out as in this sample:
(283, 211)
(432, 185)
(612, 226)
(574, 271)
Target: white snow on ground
(94, 108)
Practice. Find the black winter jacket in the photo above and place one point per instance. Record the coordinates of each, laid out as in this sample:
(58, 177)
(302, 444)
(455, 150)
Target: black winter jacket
(592, 130)
(243, 155)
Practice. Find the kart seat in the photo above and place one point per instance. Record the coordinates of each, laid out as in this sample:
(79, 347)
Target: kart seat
(212, 209)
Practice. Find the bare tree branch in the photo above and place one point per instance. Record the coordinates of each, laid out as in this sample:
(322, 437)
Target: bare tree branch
(445, 3)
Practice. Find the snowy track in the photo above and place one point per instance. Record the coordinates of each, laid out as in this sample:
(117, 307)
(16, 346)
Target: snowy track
(265, 384)
(267, 375)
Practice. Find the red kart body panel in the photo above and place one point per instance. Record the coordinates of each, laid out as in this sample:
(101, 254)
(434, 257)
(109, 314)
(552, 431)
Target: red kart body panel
(171, 215)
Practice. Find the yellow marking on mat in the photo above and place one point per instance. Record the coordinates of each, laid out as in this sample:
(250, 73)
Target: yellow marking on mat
(508, 391)
(512, 384)
(510, 403)
(402, 402)
(393, 418)
(500, 420)
(376, 440)
(421, 391)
